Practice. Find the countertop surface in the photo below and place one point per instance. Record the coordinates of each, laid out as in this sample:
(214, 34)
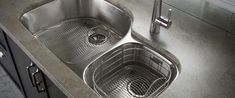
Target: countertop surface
(206, 53)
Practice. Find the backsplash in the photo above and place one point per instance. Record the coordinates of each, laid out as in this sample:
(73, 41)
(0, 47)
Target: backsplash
(207, 10)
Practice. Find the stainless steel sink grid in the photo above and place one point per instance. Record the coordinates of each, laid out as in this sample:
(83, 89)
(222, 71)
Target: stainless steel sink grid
(93, 38)
(131, 71)
(72, 39)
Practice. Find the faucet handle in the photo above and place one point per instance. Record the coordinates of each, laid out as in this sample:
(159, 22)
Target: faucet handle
(165, 21)
(169, 15)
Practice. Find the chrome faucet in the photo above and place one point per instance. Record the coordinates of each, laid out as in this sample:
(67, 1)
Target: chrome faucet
(157, 19)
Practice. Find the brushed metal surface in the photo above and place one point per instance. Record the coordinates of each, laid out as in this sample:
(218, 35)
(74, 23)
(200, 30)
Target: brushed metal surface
(80, 32)
(66, 28)
(69, 40)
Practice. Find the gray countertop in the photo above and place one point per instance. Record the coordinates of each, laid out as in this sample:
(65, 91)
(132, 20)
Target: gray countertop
(206, 53)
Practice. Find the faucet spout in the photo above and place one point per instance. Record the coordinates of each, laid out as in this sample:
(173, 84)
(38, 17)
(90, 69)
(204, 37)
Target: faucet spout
(157, 19)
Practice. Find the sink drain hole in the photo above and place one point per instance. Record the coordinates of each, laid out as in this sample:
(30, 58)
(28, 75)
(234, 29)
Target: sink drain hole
(97, 38)
(98, 35)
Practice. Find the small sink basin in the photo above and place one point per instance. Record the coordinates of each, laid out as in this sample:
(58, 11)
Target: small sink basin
(77, 31)
(131, 70)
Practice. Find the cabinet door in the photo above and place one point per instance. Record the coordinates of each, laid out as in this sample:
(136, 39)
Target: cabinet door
(53, 91)
(6, 61)
(22, 63)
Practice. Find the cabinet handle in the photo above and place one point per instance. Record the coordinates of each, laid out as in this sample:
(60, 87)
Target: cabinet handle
(2, 51)
(37, 83)
(29, 73)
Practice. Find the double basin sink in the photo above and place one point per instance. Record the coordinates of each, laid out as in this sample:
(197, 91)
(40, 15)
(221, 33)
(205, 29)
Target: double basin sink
(94, 38)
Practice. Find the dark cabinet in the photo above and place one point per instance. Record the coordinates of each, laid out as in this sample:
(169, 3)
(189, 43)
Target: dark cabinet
(35, 83)
(29, 78)
(22, 63)
(53, 91)
(7, 62)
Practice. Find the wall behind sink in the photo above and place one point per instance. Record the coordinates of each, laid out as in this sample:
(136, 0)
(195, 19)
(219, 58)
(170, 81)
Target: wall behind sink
(210, 12)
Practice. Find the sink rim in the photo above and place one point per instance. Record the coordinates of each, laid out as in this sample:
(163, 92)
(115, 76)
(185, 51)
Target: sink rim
(115, 5)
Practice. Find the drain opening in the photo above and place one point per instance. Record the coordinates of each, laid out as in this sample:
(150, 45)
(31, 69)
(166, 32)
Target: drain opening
(98, 35)
(97, 38)
(138, 88)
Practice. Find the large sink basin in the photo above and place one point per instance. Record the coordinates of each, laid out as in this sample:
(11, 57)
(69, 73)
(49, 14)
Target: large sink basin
(94, 39)
(77, 31)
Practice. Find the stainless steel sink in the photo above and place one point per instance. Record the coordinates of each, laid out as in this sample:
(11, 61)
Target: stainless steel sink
(93, 38)
(77, 31)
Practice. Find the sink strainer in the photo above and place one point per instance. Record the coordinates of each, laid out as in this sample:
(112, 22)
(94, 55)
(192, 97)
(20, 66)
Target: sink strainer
(98, 35)
(131, 72)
